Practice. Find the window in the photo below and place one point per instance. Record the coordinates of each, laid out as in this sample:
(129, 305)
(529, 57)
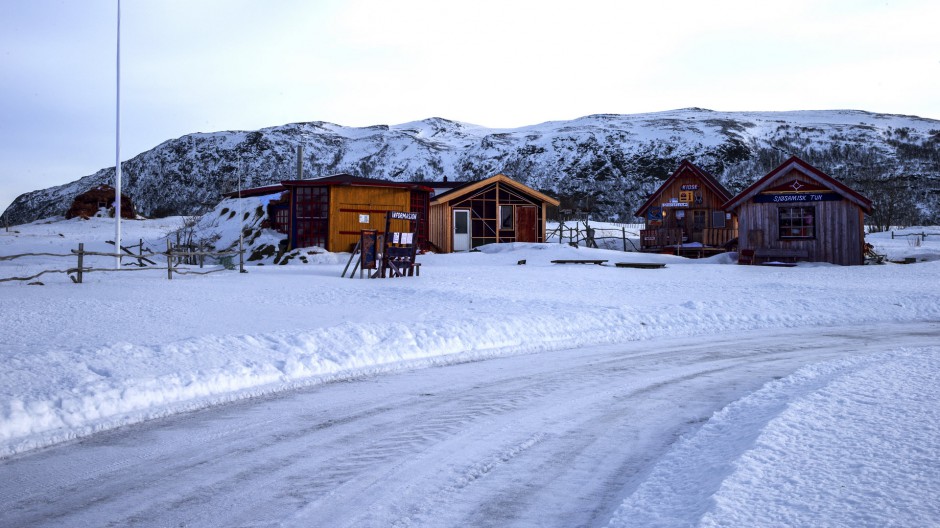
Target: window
(718, 219)
(281, 218)
(505, 217)
(698, 220)
(312, 209)
(797, 222)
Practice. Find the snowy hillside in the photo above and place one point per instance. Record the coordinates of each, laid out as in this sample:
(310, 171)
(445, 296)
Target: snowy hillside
(606, 164)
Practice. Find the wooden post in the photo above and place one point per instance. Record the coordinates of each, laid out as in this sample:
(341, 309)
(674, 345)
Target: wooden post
(623, 233)
(140, 251)
(202, 257)
(169, 260)
(81, 260)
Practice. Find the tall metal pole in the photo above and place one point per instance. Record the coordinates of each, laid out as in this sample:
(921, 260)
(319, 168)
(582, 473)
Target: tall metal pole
(117, 147)
(241, 224)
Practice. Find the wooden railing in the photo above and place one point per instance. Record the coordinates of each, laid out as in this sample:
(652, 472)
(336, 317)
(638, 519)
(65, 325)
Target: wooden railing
(656, 238)
(718, 237)
(663, 237)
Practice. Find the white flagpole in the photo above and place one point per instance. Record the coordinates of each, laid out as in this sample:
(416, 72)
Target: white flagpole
(117, 147)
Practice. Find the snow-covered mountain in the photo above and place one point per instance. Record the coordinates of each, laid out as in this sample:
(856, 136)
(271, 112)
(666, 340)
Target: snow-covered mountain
(605, 164)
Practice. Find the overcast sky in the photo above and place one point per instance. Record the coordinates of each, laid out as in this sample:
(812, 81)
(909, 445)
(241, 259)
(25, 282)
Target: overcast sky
(209, 65)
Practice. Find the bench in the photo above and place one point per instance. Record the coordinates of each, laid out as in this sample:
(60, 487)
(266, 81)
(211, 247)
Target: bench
(640, 265)
(779, 253)
(579, 261)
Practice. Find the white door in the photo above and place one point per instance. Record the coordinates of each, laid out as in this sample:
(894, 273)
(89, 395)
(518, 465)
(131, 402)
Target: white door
(461, 230)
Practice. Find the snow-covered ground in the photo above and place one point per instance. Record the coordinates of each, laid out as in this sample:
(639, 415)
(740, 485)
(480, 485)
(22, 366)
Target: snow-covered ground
(847, 442)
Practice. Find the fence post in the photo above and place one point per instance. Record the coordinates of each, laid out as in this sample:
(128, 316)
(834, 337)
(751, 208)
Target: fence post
(623, 234)
(81, 260)
(140, 251)
(202, 257)
(169, 260)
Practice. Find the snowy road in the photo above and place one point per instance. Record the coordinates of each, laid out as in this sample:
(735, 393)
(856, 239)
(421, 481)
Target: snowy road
(547, 439)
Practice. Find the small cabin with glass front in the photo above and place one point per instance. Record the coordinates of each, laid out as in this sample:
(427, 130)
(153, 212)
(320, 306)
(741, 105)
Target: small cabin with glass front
(797, 212)
(497, 209)
(687, 210)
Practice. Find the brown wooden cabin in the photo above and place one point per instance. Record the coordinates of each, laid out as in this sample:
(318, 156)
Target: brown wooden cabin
(497, 209)
(330, 212)
(87, 204)
(688, 207)
(796, 212)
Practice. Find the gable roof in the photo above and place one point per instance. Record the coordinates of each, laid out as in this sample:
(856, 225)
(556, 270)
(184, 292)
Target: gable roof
(810, 171)
(710, 182)
(349, 180)
(469, 187)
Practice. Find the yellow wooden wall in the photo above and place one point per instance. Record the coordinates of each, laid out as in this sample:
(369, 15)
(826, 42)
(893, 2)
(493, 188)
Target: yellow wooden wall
(348, 202)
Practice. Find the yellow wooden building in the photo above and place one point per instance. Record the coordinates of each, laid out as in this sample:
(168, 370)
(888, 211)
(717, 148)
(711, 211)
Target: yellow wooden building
(330, 212)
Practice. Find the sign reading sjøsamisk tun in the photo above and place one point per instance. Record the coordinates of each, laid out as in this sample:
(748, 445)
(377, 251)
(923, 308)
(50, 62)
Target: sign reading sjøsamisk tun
(797, 197)
(796, 191)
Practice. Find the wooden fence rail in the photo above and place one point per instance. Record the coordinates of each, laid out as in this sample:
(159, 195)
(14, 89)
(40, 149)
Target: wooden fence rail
(922, 235)
(170, 254)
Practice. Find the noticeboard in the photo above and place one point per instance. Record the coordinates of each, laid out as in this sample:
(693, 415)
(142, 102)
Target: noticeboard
(368, 244)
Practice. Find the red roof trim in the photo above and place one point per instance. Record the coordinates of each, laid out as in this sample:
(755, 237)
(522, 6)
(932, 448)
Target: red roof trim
(810, 171)
(348, 180)
(256, 191)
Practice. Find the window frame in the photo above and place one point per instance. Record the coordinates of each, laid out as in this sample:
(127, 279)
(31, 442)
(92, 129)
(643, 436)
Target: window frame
(796, 226)
(511, 218)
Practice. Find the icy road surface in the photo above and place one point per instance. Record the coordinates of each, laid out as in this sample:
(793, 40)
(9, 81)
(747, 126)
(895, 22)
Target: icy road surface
(548, 439)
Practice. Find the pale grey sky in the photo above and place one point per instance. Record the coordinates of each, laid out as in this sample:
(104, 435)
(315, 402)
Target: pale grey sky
(210, 65)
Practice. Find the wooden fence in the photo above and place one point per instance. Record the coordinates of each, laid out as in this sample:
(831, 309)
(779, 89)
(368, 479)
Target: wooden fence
(610, 238)
(923, 235)
(144, 261)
